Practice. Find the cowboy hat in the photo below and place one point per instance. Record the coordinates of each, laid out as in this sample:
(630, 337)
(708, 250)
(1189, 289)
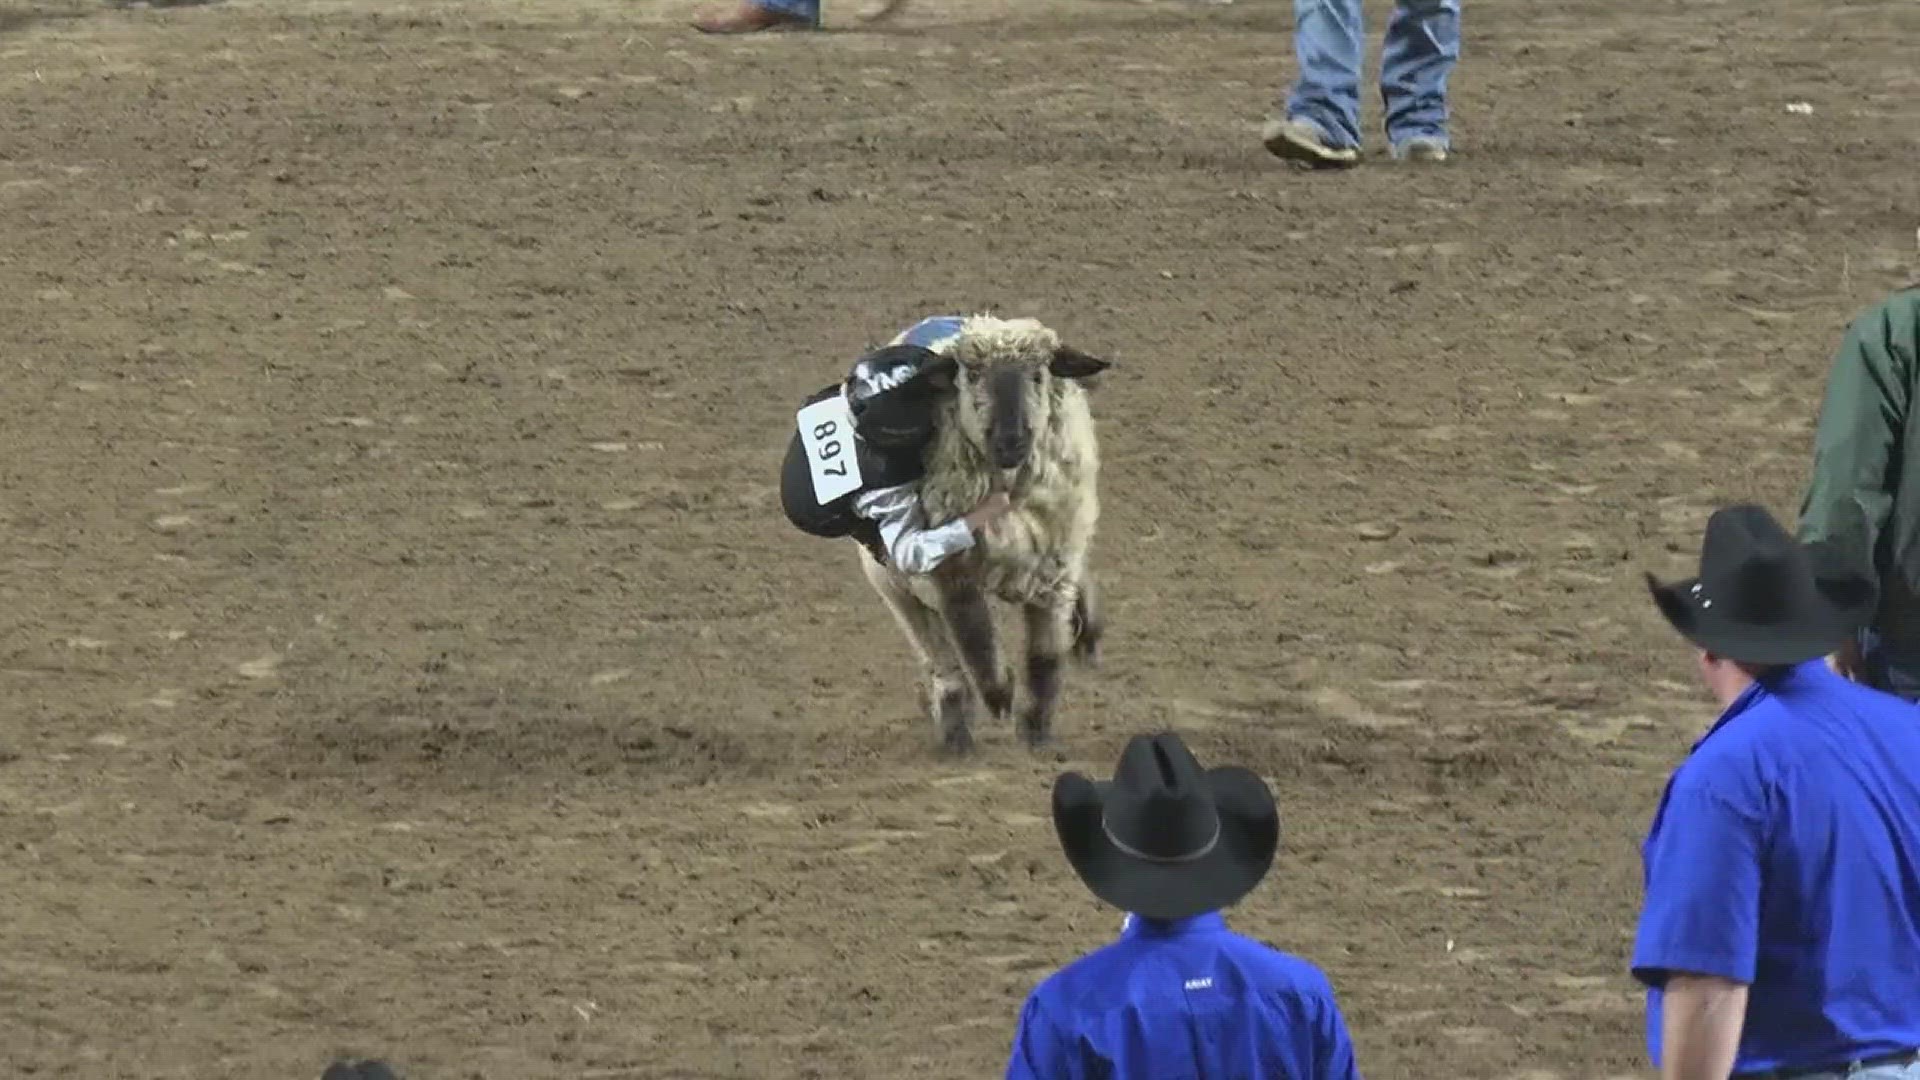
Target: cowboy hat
(1762, 598)
(1165, 838)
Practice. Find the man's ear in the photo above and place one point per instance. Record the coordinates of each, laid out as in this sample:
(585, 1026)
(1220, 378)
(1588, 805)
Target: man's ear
(1071, 363)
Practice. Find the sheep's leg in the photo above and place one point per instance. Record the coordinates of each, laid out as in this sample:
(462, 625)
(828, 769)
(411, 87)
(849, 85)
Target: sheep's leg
(970, 622)
(1089, 622)
(950, 700)
(1050, 630)
(947, 698)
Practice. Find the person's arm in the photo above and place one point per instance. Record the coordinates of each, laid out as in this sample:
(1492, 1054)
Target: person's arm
(911, 546)
(1699, 931)
(1333, 1049)
(1701, 1020)
(1040, 1052)
(1857, 445)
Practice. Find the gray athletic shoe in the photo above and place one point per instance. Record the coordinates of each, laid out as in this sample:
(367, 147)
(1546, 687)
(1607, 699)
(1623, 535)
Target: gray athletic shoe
(1421, 148)
(1303, 142)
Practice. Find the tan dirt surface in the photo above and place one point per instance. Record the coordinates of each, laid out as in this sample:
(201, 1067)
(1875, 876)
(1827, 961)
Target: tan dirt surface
(402, 651)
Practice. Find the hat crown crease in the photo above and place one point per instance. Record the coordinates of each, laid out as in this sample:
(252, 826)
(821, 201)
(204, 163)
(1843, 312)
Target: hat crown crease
(1761, 588)
(1161, 811)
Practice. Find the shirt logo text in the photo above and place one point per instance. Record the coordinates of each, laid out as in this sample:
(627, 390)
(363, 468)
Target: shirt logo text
(885, 380)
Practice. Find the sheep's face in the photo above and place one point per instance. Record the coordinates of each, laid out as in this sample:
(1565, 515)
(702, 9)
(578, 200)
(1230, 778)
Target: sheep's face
(1007, 393)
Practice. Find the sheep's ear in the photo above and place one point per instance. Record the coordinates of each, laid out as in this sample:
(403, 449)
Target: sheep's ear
(941, 373)
(1070, 363)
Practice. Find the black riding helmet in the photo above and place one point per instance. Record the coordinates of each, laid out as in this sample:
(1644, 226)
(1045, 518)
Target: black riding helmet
(892, 394)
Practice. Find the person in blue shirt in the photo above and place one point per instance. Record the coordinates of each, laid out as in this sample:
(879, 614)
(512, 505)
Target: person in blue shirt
(1179, 996)
(1780, 931)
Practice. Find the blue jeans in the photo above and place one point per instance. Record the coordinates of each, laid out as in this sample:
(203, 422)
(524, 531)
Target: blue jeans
(1421, 49)
(803, 9)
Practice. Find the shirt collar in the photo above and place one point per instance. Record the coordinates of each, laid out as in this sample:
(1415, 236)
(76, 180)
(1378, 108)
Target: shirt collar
(1135, 926)
(1804, 673)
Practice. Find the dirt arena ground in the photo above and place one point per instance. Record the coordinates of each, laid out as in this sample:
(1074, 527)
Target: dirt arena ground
(402, 651)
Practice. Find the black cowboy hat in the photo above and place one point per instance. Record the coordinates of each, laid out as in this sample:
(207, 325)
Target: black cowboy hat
(1164, 838)
(1762, 598)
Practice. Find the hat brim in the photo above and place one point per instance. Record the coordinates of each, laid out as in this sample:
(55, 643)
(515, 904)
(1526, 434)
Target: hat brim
(1847, 603)
(1249, 837)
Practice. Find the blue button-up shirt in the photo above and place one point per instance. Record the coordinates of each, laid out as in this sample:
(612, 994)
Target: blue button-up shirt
(1786, 855)
(1186, 1000)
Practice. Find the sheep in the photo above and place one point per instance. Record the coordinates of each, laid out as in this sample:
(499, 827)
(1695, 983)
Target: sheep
(1017, 422)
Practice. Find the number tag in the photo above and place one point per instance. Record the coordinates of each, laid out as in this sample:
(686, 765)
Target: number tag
(826, 430)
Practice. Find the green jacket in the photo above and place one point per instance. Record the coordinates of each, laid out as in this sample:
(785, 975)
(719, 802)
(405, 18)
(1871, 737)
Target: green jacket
(1863, 503)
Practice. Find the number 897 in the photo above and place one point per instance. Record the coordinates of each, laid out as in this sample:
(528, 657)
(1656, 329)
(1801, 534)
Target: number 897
(821, 431)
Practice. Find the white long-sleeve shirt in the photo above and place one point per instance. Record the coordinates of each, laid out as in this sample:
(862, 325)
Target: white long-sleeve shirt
(911, 546)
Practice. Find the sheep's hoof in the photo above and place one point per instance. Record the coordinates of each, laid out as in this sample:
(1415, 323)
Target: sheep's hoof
(999, 700)
(1088, 629)
(1036, 730)
(957, 743)
(1086, 648)
(946, 706)
(953, 709)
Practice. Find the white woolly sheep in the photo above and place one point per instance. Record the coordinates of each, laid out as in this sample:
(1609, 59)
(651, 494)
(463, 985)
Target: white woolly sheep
(1018, 423)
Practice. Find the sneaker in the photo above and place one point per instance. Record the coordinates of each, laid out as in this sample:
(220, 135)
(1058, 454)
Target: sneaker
(751, 18)
(1420, 148)
(1304, 142)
